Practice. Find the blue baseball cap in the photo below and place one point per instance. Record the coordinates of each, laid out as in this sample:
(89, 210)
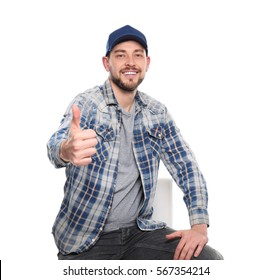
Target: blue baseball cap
(126, 33)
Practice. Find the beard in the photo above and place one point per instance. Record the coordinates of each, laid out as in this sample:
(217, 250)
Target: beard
(130, 86)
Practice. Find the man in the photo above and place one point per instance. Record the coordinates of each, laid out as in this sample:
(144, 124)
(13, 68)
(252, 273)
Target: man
(111, 140)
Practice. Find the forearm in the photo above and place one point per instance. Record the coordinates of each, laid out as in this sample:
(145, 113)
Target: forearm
(54, 148)
(63, 153)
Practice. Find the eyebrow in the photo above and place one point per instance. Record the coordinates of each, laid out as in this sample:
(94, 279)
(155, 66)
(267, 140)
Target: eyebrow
(122, 50)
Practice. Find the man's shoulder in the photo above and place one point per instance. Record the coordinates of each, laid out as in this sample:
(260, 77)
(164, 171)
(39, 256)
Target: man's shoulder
(90, 98)
(93, 94)
(151, 103)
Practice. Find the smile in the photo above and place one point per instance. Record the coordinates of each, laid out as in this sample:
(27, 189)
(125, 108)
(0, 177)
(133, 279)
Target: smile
(130, 73)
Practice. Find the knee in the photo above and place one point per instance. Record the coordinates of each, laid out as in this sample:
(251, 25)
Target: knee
(208, 253)
(218, 256)
(213, 254)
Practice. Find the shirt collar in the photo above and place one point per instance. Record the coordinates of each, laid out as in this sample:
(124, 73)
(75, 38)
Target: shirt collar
(108, 93)
(110, 98)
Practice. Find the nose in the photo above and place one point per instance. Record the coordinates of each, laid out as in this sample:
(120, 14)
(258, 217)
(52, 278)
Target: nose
(130, 61)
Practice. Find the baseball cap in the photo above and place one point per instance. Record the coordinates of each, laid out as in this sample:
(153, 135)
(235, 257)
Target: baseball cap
(123, 34)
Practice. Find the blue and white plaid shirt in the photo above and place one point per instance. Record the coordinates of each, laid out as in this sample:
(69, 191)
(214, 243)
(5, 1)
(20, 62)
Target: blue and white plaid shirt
(89, 190)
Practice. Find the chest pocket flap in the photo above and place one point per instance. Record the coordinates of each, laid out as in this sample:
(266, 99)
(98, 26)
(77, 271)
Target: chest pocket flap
(106, 133)
(155, 140)
(156, 132)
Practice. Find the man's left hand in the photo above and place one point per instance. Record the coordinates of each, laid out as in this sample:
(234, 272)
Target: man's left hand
(192, 241)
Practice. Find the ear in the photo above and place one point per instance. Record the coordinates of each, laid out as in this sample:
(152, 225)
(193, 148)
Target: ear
(148, 63)
(106, 63)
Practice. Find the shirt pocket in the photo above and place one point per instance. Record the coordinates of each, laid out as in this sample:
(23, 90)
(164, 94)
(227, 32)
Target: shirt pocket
(156, 136)
(105, 137)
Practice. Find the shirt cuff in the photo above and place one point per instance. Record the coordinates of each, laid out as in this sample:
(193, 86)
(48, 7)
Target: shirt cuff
(198, 216)
(59, 162)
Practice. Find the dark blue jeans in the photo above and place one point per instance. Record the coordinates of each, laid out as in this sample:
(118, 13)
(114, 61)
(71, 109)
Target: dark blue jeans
(133, 244)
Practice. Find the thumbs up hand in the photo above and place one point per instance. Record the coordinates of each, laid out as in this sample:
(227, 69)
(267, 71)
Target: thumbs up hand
(80, 145)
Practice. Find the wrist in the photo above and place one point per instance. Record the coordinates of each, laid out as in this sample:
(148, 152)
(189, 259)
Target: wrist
(200, 227)
(62, 153)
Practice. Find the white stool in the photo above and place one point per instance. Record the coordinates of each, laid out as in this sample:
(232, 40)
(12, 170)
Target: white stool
(162, 205)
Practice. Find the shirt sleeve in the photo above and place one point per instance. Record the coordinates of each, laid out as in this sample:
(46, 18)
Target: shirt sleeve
(183, 167)
(62, 133)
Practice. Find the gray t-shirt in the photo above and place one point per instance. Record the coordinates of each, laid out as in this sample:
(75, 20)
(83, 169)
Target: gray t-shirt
(128, 196)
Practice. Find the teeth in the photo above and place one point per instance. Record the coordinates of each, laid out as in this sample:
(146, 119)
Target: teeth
(130, 73)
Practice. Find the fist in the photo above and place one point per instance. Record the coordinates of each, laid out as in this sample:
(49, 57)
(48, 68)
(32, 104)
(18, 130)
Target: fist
(80, 146)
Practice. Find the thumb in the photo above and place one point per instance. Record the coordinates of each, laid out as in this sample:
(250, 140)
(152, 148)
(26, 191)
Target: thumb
(176, 234)
(76, 115)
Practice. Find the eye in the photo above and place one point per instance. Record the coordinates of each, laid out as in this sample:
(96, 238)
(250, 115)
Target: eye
(139, 55)
(120, 55)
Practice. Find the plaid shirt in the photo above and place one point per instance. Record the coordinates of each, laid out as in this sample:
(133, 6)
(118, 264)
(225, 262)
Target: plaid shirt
(89, 190)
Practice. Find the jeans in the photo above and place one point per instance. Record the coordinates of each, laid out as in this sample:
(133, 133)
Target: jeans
(133, 244)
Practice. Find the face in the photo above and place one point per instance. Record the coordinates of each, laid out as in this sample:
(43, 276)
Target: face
(127, 64)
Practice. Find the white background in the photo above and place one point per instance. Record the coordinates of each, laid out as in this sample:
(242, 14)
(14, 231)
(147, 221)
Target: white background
(211, 66)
